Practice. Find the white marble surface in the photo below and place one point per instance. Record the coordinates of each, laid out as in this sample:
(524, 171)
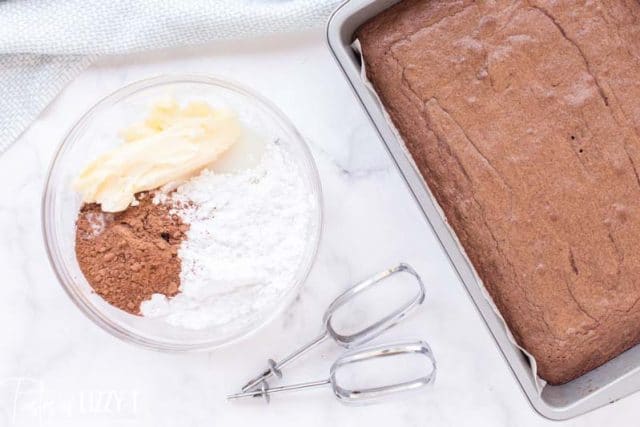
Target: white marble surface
(57, 368)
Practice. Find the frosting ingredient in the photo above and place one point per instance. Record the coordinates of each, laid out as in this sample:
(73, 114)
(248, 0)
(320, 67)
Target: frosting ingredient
(220, 238)
(172, 144)
(248, 232)
(128, 256)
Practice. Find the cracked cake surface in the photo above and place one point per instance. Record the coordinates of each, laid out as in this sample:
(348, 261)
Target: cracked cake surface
(524, 119)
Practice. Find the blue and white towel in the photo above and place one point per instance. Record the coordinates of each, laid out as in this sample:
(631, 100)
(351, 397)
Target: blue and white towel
(44, 44)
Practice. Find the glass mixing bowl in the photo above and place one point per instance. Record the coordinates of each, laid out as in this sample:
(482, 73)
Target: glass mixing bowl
(97, 132)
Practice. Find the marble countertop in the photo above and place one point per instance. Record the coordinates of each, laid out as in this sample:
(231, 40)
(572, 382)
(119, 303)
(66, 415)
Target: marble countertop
(58, 368)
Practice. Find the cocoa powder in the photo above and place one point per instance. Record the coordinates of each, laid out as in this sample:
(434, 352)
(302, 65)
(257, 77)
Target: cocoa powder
(128, 256)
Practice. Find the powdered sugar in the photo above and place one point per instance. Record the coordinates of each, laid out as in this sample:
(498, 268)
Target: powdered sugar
(248, 234)
(98, 222)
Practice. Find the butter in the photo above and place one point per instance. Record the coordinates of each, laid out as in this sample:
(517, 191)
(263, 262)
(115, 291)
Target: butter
(171, 144)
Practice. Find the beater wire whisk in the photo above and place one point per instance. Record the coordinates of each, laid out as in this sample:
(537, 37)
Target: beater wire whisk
(357, 395)
(348, 340)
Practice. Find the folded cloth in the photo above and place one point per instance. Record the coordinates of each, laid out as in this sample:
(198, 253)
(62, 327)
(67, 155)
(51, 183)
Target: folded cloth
(44, 44)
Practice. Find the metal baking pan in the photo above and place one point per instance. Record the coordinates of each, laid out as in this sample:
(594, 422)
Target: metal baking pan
(604, 385)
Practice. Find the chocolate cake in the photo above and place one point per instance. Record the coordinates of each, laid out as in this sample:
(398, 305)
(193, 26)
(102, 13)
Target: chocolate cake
(524, 119)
